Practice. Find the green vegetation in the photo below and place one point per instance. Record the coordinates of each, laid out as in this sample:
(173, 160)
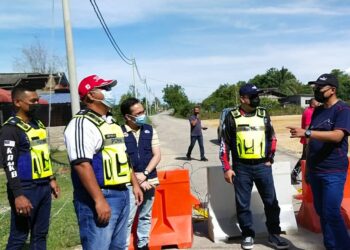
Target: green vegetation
(64, 231)
(227, 95)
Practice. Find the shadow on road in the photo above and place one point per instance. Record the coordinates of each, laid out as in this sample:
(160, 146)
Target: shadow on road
(185, 159)
(215, 141)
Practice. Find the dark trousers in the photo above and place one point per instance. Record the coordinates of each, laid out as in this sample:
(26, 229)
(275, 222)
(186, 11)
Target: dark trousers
(327, 190)
(193, 142)
(261, 175)
(37, 223)
(297, 167)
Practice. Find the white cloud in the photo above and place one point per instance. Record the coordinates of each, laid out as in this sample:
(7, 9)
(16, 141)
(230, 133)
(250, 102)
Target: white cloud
(200, 76)
(38, 14)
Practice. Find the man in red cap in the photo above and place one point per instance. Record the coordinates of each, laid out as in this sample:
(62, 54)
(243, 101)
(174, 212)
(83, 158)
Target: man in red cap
(100, 168)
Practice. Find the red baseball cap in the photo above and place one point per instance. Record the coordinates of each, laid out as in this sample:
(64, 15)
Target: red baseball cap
(91, 82)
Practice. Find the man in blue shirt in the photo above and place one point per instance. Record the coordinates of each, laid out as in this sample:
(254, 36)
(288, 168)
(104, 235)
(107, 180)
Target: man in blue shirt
(327, 161)
(196, 134)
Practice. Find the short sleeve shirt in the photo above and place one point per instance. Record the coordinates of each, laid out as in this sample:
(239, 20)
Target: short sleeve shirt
(83, 139)
(325, 156)
(197, 129)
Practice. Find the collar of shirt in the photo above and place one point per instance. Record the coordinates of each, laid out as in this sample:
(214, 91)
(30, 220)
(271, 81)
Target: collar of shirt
(128, 129)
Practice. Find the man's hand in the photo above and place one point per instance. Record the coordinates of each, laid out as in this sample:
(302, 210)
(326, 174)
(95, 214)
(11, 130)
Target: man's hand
(23, 205)
(268, 163)
(103, 211)
(55, 189)
(138, 195)
(296, 132)
(140, 177)
(146, 185)
(229, 174)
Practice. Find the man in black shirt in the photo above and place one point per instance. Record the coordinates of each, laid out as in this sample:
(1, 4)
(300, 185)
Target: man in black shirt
(25, 157)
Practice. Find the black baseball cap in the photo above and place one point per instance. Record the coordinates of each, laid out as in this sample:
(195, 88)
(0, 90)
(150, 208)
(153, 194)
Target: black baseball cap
(326, 79)
(249, 89)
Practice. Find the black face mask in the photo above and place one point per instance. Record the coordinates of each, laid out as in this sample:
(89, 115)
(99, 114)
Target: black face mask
(34, 110)
(254, 101)
(319, 96)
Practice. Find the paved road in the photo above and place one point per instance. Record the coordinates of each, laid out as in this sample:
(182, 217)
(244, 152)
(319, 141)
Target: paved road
(174, 139)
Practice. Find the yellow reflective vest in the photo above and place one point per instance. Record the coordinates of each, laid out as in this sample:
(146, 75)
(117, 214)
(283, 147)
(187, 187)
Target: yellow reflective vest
(250, 134)
(35, 164)
(110, 163)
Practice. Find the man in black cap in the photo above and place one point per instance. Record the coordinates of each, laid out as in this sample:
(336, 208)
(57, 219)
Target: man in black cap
(327, 161)
(249, 135)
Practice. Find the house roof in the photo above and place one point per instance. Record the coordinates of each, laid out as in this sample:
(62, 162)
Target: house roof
(36, 80)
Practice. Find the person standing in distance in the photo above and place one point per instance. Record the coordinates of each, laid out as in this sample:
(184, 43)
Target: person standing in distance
(196, 134)
(25, 155)
(142, 145)
(249, 135)
(100, 168)
(305, 123)
(327, 160)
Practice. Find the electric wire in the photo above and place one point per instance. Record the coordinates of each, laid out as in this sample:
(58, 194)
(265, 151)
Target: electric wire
(109, 34)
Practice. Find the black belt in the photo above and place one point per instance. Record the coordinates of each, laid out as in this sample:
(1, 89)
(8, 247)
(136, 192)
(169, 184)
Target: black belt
(252, 161)
(115, 187)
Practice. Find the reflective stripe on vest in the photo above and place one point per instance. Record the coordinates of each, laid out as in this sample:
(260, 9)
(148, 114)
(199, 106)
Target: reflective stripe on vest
(39, 151)
(250, 134)
(110, 164)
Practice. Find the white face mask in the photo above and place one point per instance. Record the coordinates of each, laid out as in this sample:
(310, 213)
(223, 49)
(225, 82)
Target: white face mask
(109, 99)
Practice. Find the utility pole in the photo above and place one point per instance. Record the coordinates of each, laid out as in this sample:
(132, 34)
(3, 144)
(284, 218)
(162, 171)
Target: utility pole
(75, 105)
(133, 76)
(146, 92)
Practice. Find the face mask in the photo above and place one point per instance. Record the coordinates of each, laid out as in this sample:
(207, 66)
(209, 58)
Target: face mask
(140, 120)
(319, 96)
(33, 110)
(254, 101)
(109, 99)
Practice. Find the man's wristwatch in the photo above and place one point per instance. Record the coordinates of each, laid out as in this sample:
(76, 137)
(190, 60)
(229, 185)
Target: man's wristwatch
(146, 173)
(307, 133)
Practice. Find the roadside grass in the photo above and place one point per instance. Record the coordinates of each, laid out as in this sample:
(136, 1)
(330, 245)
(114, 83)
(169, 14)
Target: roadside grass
(64, 231)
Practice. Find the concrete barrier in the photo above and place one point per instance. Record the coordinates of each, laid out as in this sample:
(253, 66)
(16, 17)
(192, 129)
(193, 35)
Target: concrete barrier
(222, 221)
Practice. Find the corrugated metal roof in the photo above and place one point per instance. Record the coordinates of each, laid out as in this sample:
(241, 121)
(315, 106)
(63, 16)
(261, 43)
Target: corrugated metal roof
(57, 97)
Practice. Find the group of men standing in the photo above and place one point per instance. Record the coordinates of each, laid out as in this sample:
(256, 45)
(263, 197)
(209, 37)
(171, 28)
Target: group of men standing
(249, 136)
(113, 169)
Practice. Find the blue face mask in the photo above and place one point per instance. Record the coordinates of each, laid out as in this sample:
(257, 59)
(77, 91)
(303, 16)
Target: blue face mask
(109, 99)
(140, 120)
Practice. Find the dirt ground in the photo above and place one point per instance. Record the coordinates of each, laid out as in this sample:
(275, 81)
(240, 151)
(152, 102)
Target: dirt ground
(284, 142)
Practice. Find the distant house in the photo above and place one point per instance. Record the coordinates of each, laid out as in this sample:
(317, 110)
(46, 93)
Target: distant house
(302, 100)
(272, 93)
(53, 91)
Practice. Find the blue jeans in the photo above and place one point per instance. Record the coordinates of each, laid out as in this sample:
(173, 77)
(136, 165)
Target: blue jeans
(327, 190)
(261, 175)
(93, 235)
(193, 142)
(38, 221)
(144, 216)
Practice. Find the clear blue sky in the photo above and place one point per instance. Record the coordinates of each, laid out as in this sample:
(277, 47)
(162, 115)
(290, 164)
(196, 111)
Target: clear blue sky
(198, 44)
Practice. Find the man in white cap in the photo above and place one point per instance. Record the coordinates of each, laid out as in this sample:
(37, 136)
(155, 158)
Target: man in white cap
(100, 168)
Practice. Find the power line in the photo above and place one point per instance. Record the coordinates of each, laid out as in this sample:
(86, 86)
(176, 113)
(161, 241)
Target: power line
(109, 34)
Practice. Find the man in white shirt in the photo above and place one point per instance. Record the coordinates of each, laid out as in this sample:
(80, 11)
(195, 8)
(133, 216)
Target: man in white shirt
(142, 144)
(100, 168)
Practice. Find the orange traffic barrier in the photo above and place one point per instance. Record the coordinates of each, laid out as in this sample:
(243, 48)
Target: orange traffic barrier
(307, 216)
(345, 205)
(172, 212)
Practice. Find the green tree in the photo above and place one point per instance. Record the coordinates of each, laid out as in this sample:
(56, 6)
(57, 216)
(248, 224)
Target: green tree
(174, 95)
(343, 91)
(281, 79)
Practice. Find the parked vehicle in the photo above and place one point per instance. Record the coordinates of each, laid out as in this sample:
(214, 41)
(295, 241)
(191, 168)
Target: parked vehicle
(223, 114)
